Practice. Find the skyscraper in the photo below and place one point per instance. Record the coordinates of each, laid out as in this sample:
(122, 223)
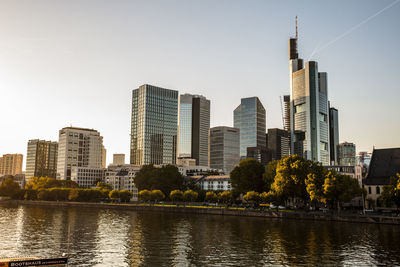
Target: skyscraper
(347, 154)
(41, 159)
(193, 127)
(278, 143)
(11, 164)
(286, 113)
(224, 148)
(308, 108)
(249, 118)
(78, 147)
(118, 159)
(154, 125)
(333, 135)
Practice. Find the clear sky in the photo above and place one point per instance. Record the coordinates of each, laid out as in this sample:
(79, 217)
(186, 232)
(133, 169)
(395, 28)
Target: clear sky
(75, 62)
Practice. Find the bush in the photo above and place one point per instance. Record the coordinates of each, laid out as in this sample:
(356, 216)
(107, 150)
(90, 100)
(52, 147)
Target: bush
(125, 195)
(176, 195)
(211, 197)
(190, 196)
(144, 195)
(30, 194)
(252, 196)
(225, 197)
(157, 195)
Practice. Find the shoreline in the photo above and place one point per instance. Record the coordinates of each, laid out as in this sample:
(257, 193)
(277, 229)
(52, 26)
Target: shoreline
(217, 211)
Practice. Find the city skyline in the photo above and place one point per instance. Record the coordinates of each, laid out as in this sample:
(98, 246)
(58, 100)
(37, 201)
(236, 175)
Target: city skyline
(65, 79)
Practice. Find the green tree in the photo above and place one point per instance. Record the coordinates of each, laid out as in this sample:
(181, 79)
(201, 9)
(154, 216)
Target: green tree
(37, 183)
(9, 188)
(252, 197)
(30, 194)
(315, 182)
(114, 194)
(267, 197)
(176, 195)
(125, 195)
(144, 195)
(391, 192)
(248, 176)
(103, 185)
(190, 196)
(211, 197)
(166, 178)
(269, 174)
(225, 197)
(157, 195)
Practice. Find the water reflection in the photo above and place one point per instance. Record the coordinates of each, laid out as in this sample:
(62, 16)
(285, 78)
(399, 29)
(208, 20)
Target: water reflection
(104, 237)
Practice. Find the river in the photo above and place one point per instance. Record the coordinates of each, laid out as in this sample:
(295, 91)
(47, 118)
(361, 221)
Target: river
(107, 237)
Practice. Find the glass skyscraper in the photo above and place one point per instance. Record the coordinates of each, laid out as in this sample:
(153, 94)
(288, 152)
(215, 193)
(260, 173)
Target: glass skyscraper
(154, 125)
(308, 108)
(41, 159)
(333, 135)
(194, 124)
(249, 118)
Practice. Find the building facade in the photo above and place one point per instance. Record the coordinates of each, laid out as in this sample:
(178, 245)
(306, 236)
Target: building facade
(41, 159)
(333, 135)
(224, 148)
(118, 159)
(261, 154)
(213, 182)
(87, 177)
(121, 177)
(278, 142)
(11, 164)
(78, 147)
(309, 127)
(193, 127)
(154, 125)
(347, 154)
(249, 118)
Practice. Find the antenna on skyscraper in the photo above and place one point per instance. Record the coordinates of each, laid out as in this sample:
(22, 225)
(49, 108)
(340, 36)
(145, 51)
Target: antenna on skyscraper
(296, 28)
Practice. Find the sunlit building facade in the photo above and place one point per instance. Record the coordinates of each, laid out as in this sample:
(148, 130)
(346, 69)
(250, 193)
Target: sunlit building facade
(154, 125)
(11, 164)
(41, 159)
(249, 118)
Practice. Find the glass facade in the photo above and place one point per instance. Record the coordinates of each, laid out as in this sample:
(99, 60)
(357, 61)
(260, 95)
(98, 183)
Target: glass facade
(154, 125)
(347, 154)
(249, 117)
(185, 126)
(224, 148)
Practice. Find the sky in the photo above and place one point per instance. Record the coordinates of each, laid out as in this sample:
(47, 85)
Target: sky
(76, 62)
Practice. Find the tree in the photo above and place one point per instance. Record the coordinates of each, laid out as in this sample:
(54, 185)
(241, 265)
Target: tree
(37, 183)
(102, 185)
(157, 195)
(267, 197)
(225, 197)
(9, 188)
(252, 197)
(269, 174)
(211, 197)
(176, 195)
(339, 188)
(190, 196)
(125, 195)
(114, 194)
(144, 195)
(291, 173)
(248, 176)
(166, 178)
(315, 181)
(391, 192)
(30, 194)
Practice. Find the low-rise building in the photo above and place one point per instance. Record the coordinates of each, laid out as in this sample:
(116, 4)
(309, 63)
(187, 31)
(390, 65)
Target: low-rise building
(18, 178)
(197, 170)
(87, 177)
(385, 163)
(121, 177)
(213, 182)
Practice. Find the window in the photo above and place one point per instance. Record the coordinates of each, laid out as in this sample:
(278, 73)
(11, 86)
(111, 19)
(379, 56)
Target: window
(369, 190)
(378, 190)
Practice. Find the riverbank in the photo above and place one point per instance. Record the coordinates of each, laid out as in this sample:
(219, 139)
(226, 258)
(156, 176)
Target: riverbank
(353, 218)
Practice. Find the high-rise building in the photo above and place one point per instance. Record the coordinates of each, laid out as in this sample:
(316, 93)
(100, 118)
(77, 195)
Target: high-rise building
(249, 118)
(193, 127)
(347, 154)
(118, 159)
(278, 143)
(11, 164)
(224, 148)
(286, 113)
(78, 147)
(154, 125)
(333, 135)
(103, 157)
(308, 108)
(261, 154)
(41, 159)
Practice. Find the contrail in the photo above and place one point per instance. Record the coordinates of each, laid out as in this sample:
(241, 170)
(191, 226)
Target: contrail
(352, 29)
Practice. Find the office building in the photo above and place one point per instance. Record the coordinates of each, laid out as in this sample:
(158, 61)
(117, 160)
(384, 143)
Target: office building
(41, 159)
(224, 148)
(333, 135)
(118, 159)
(154, 125)
(87, 177)
(347, 154)
(193, 127)
(278, 143)
(286, 113)
(249, 118)
(309, 131)
(259, 153)
(103, 157)
(11, 164)
(78, 147)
